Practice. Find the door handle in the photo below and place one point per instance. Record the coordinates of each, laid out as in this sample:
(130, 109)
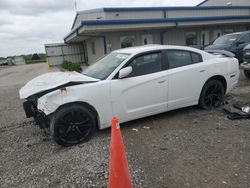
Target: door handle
(202, 70)
(161, 81)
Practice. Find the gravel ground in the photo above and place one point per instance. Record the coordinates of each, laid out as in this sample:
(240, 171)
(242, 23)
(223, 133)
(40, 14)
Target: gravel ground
(184, 148)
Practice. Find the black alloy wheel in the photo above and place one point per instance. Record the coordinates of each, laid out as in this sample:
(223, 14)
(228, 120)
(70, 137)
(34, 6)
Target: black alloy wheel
(212, 94)
(73, 124)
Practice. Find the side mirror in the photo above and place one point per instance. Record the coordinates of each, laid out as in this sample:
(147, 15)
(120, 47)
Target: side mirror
(125, 72)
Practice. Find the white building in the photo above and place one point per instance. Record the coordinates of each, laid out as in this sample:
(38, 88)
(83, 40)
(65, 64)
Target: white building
(101, 31)
(224, 3)
(19, 60)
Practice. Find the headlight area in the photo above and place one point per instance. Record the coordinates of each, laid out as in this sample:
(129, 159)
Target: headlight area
(31, 111)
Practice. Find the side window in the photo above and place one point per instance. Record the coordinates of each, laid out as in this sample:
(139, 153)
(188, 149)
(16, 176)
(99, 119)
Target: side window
(178, 58)
(196, 58)
(146, 64)
(245, 38)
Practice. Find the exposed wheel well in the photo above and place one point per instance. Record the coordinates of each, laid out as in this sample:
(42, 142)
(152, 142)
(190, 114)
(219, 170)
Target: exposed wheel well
(221, 79)
(88, 106)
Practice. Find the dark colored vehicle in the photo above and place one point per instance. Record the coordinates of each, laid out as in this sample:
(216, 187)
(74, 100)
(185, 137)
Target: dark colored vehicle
(246, 64)
(3, 63)
(234, 42)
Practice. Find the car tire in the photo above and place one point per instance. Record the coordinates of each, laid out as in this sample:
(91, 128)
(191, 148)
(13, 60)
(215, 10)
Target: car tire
(247, 73)
(212, 95)
(73, 124)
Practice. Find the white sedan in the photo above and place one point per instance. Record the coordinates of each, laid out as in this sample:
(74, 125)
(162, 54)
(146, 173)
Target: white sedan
(129, 83)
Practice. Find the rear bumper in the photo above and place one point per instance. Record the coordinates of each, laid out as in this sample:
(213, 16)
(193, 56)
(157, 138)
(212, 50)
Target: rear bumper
(40, 118)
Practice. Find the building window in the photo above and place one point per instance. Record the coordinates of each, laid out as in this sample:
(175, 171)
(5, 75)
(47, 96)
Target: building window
(191, 38)
(93, 48)
(127, 41)
(228, 30)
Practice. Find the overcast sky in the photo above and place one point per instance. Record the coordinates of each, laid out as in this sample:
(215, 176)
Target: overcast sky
(26, 25)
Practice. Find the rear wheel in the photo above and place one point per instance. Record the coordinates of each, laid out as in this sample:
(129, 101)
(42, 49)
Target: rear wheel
(73, 124)
(212, 94)
(247, 73)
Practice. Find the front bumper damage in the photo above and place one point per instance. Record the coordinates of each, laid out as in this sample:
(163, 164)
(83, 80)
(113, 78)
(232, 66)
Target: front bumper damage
(31, 111)
(245, 66)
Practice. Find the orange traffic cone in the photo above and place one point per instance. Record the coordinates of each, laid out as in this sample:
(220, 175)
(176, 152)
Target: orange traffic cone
(119, 175)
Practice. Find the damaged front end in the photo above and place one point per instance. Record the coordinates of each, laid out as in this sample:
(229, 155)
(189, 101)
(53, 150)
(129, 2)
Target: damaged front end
(31, 106)
(31, 111)
(38, 88)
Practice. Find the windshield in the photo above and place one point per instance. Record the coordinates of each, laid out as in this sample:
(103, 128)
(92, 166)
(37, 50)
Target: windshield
(105, 66)
(227, 39)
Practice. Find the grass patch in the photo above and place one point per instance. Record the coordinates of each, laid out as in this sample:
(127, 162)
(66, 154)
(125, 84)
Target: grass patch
(67, 65)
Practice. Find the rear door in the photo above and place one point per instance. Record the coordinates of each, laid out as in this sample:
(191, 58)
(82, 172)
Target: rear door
(144, 91)
(186, 76)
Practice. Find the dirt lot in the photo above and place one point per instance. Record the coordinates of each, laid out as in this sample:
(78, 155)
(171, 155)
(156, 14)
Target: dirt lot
(184, 148)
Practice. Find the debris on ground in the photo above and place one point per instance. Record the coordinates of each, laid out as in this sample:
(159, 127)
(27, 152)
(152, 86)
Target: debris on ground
(234, 111)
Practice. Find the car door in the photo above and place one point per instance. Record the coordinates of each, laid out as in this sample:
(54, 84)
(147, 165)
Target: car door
(144, 91)
(186, 76)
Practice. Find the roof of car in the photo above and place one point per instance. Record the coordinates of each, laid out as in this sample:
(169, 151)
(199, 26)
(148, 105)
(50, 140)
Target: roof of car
(152, 47)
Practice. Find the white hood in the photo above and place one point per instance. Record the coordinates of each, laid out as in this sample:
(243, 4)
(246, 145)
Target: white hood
(52, 80)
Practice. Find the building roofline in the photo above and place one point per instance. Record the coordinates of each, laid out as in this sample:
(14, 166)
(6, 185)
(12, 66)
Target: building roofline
(86, 11)
(127, 9)
(157, 20)
(74, 20)
(91, 10)
(132, 9)
(201, 3)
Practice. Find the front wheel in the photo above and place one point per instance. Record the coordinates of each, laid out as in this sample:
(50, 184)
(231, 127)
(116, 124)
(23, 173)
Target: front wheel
(73, 124)
(212, 94)
(247, 73)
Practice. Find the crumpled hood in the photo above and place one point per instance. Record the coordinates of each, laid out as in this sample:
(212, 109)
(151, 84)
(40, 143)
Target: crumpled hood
(52, 80)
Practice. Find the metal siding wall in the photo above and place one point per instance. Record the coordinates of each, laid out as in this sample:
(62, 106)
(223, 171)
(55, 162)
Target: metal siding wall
(178, 37)
(134, 15)
(54, 61)
(88, 16)
(53, 50)
(59, 52)
(114, 38)
(224, 2)
(174, 37)
(68, 50)
(99, 49)
(156, 37)
(128, 27)
(73, 58)
(205, 13)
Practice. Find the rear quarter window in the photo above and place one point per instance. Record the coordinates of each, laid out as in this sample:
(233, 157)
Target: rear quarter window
(178, 58)
(196, 58)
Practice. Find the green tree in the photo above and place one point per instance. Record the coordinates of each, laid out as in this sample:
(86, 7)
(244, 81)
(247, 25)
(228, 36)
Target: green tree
(35, 57)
